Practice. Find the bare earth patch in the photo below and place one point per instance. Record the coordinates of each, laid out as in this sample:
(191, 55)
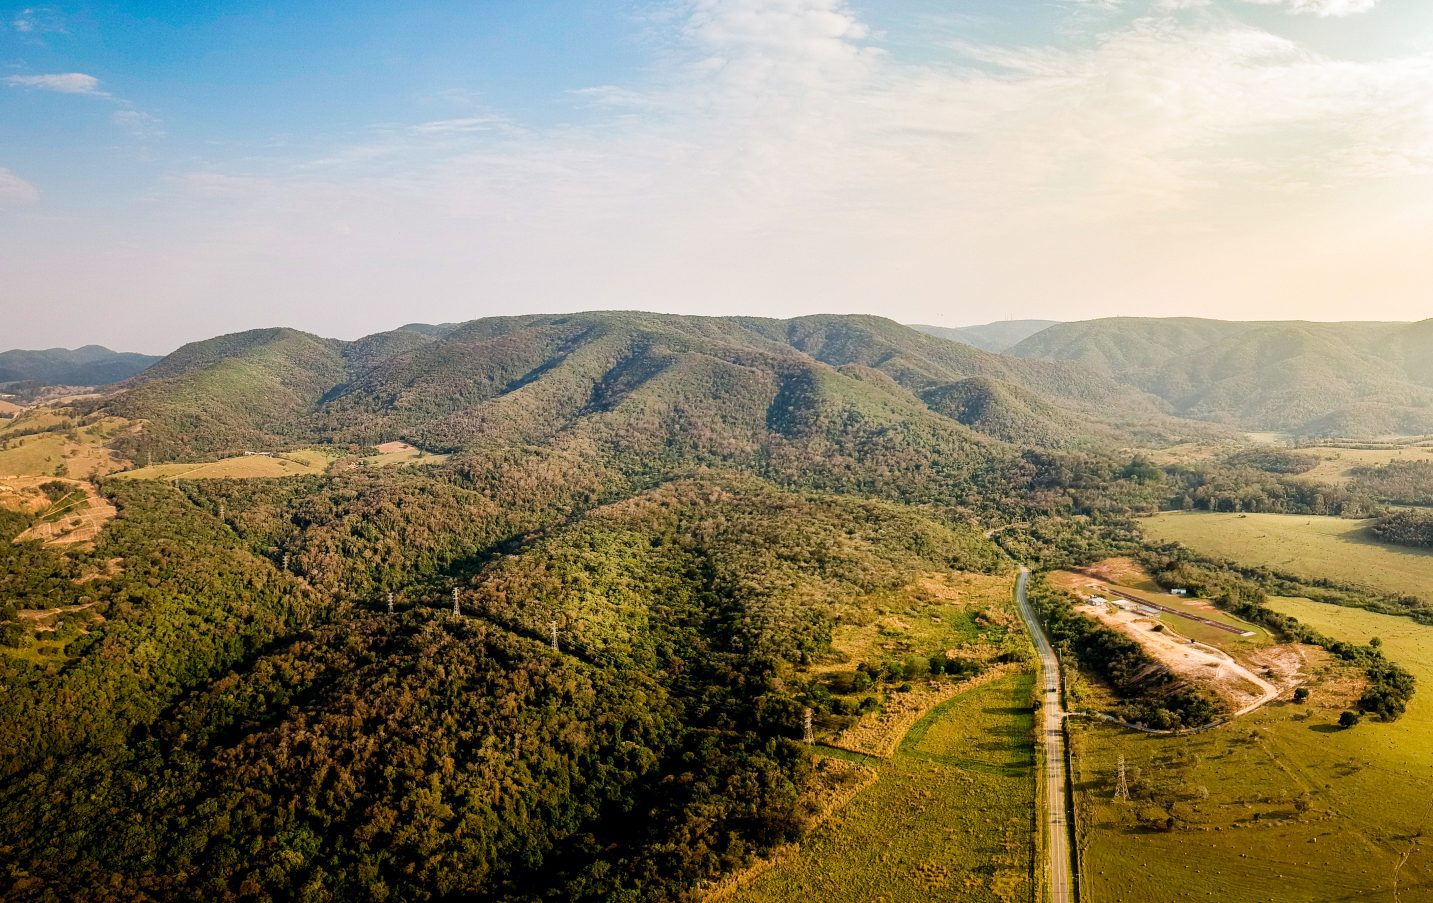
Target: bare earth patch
(1204, 665)
(75, 522)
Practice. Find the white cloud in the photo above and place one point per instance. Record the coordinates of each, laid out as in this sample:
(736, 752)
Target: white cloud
(1321, 8)
(14, 188)
(138, 123)
(64, 83)
(38, 20)
(775, 161)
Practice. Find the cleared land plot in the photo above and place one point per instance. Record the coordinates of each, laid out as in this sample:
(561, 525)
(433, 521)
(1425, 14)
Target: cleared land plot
(392, 454)
(69, 451)
(1125, 580)
(1305, 546)
(950, 817)
(76, 518)
(287, 464)
(1335, 463)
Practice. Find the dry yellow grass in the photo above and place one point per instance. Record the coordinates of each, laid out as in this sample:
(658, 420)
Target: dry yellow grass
(285, 464)
(74, 520)
(837, 783)
(1335, 464)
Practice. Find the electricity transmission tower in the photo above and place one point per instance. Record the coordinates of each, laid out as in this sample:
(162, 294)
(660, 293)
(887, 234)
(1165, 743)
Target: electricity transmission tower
(807, 734)
(456, 610)
(390, 603)
(286, 561)
(554, 634)
(1122, 786)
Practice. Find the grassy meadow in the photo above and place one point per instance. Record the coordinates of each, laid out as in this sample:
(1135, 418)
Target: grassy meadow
(1281, 805)
(950, 816)
(1302, 545)
(286, 464)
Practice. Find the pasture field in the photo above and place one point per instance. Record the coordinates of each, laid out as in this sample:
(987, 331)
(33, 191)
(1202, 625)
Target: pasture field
(1282, 804)
(77, 452)
(950, 816)
(285, 464)
(1302, 545)
(393, 454)
(1335, 463)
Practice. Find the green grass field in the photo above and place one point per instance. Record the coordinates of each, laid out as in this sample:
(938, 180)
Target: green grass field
(285, 464)
(951, 816)
(1281, 805)
(1301, 545)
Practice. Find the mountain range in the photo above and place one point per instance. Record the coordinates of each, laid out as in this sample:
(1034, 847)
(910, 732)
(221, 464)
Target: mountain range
(92, 365)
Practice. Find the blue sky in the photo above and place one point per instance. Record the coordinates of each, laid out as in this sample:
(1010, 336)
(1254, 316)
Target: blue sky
(173, 170)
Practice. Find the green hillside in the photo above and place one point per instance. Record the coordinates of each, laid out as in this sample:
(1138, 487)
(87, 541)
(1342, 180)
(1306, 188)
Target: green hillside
(1320, 379)
(781, 395)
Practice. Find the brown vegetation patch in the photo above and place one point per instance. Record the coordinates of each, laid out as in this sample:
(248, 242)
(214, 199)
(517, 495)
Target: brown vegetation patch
(73, 523)
(46, 620)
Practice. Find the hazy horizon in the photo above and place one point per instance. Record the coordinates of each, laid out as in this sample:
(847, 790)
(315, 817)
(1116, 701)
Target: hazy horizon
(170, 173)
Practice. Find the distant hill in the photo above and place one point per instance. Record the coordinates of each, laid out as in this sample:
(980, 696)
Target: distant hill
(1345, 379)
(791, 395)
(92, 365)
(1000, 336)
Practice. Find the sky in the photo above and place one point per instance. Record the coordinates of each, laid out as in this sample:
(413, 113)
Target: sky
(175, 170)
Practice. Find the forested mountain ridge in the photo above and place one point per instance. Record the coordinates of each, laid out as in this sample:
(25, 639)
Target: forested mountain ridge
(1341, 379)
(721, 387)
(92, 365)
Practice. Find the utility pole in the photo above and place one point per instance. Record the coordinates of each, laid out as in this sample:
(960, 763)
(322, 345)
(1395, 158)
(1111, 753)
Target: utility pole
(1122, 787)
(554, 634)
(390, 603)
(807, 734)
(456, 610)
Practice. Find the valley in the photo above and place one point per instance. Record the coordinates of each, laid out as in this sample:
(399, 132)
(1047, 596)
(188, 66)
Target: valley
(634, 554)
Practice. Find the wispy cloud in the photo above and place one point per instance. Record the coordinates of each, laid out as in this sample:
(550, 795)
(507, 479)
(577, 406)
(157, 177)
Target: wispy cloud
(63, 83)
(138, 123)
(1322, 8)
(36, 20)
(14, 188)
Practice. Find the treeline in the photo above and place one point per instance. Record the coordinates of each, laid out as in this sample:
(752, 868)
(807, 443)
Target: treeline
(1273, 460)
(1397, 482)
(1390, 687)
(1150, 694)
(1405, 528)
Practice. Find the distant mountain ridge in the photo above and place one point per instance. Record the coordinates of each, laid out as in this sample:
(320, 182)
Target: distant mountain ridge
(704, 390)
(1353, 379)
(999, 336)
(91, 365)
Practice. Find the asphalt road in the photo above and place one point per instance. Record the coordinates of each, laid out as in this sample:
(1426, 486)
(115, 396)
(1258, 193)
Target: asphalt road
(1057, 825)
